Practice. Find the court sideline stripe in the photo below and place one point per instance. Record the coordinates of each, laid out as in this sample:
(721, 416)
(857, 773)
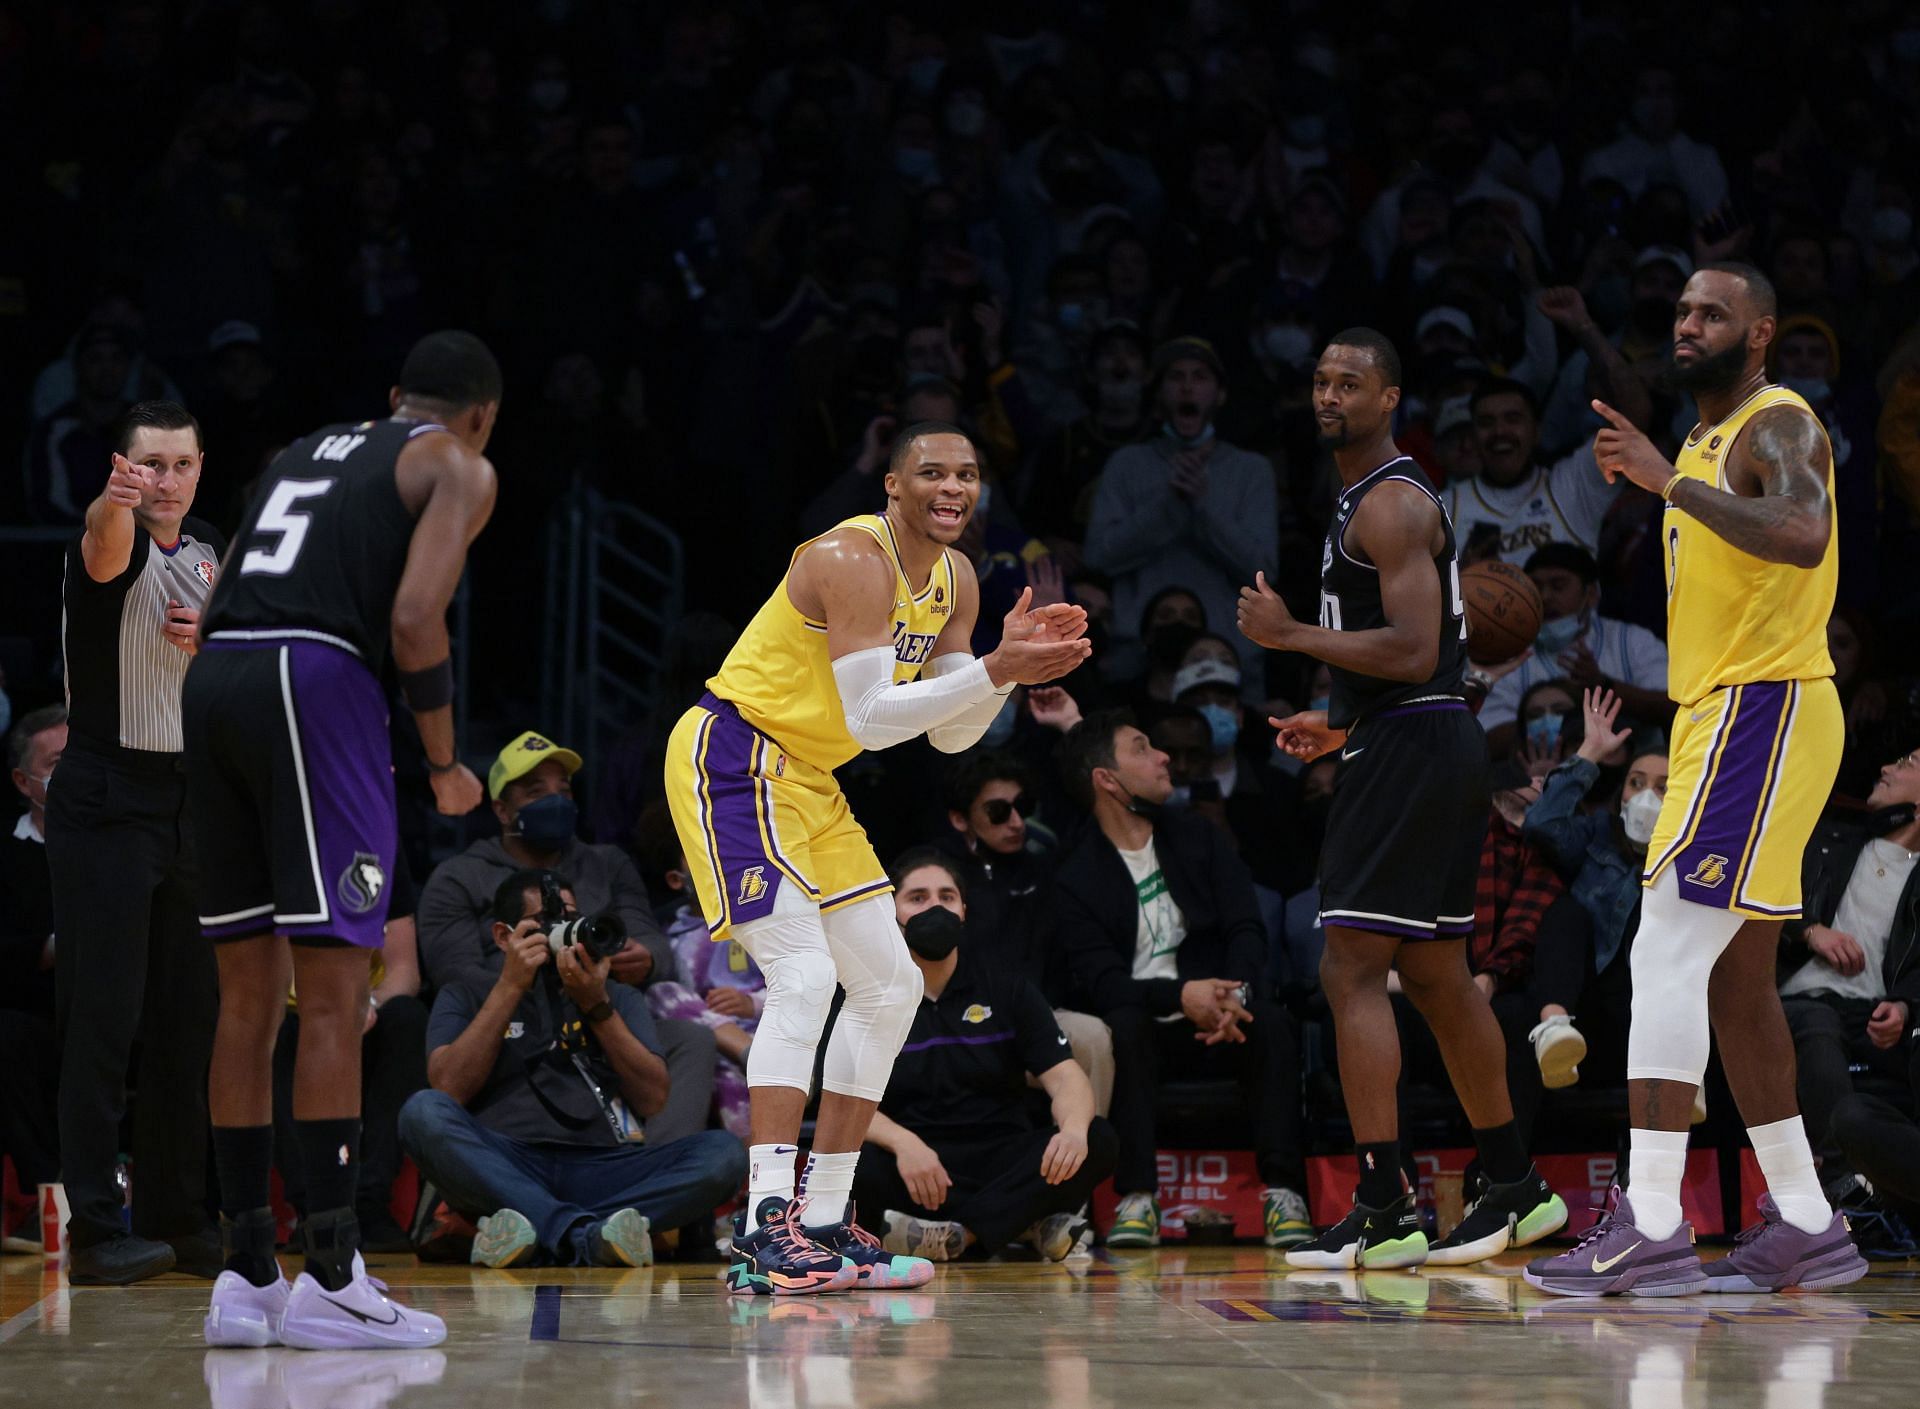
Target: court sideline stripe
(546, 1313)
(20, 1320)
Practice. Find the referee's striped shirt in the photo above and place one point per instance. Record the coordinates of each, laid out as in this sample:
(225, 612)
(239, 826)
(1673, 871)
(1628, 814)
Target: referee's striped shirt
(123, 676)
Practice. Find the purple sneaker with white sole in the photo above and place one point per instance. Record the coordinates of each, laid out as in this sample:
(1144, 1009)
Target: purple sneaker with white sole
(243, 1314)
(1773, 1255)
(357, 1317)
(1615, 1257)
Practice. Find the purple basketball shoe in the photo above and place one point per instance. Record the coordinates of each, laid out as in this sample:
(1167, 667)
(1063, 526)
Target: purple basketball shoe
(1773, 1255)
(1614, 1256)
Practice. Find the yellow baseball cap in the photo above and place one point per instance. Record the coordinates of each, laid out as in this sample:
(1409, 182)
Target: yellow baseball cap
(525, 754)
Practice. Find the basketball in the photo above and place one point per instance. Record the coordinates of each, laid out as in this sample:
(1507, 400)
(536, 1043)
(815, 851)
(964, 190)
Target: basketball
(1503, 611)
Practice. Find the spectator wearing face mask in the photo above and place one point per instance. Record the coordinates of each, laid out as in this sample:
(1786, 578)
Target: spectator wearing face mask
(1549, 725)
(1218, 775)
(531, 785)
(1581, 977)
(1064, 474)
(1577, 644)
(1186, 507)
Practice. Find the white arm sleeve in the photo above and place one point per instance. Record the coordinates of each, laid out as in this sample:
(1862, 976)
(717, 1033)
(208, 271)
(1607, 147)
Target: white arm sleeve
(965, 729)
(881, 714)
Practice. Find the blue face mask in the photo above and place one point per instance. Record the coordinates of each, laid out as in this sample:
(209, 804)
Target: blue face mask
(547, 823)
(1544, 732)
(1223, 726)
(1556, 635)
(1322, 702)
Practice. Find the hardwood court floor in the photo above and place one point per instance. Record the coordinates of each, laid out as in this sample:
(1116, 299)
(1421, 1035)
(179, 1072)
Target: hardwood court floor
(1149, 1330)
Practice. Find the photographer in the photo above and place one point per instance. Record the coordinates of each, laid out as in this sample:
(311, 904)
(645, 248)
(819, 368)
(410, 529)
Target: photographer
(540, 1077)
(531, 785)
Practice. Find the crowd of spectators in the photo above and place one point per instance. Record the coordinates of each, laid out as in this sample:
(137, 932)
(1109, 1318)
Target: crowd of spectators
(726, 250)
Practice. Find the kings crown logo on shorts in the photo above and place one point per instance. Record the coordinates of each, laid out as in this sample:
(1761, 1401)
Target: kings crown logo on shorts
(1710, 872)
(362, 883)
(753, 885)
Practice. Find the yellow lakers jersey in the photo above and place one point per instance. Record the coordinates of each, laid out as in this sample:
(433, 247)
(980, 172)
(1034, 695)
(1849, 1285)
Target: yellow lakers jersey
(778, 674)
(1733, 619)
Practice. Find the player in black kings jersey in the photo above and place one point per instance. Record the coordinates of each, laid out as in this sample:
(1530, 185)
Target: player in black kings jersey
(1410, 802)
(354, 544)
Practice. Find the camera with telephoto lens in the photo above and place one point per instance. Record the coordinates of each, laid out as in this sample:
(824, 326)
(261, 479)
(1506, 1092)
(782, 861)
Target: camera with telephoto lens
(595, 936)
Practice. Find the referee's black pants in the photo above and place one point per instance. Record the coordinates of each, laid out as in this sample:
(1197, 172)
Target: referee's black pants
(998, 1192)
(129, 962)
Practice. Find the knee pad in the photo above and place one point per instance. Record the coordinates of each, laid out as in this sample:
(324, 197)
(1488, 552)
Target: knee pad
(883, 987)
(792, 953)
(1674, 952)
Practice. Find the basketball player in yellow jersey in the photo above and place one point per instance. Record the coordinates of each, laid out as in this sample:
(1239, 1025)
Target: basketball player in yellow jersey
(1751, 566)
(834, 663)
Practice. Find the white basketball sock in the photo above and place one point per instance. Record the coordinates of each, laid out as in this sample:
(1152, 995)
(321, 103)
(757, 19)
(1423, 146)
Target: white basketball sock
(1656, 1164)
(769, 1176)
(1787, 1160)
(826, 1184)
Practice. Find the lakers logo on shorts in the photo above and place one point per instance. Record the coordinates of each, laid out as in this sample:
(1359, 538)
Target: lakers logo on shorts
(753, 885)
(1710, 872)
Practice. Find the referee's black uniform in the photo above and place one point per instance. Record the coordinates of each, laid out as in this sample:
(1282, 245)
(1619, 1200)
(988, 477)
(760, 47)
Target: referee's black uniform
(130, 961)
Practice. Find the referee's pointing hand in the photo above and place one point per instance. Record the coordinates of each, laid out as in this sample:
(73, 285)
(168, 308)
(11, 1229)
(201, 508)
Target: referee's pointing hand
(127, 482)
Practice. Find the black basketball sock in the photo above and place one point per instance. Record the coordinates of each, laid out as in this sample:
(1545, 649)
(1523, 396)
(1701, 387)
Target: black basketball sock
(330, 1158)
(1501, 1153)
(243, 1158)
(1379, 1172)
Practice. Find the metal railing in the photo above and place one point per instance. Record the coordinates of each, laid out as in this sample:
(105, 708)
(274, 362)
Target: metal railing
(615, 585)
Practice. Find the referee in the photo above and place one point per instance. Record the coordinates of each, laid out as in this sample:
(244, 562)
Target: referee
(130, 962)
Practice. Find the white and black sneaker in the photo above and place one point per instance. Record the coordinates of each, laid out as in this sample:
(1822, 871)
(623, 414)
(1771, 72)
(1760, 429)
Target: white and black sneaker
(1367, 1238)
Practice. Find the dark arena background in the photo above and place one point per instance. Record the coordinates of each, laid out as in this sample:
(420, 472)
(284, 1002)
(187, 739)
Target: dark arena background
(724, 253)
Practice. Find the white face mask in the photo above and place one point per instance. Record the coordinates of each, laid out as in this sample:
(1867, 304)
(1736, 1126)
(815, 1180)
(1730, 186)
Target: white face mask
(1638, 815)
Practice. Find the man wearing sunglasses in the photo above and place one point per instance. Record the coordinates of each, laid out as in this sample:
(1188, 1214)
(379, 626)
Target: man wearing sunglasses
(1007, 867)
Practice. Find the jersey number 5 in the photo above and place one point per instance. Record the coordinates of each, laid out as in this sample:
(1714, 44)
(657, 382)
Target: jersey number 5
(280, 516)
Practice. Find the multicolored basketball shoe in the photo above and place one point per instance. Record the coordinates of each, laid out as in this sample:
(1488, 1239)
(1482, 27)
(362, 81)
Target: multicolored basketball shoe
(779, 1257)
(1367, 1238)
(1614, 1256)
(1502, 1216)
(877, 1269)
(1773, 1255)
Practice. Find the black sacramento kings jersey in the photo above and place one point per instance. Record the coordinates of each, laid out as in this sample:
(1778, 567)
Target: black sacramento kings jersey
(1350, 601)
(324, 542)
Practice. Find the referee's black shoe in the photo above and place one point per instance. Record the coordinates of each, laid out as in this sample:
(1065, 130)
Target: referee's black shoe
(119, 1260)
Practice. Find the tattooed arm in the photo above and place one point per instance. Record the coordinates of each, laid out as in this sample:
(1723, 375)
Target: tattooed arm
(1779, 510)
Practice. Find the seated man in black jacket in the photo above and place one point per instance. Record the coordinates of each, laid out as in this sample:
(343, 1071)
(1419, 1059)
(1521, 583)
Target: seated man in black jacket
(1162, 932)
(1006, 867)
(953, 1156)
(541, 1077)
(1851, 968)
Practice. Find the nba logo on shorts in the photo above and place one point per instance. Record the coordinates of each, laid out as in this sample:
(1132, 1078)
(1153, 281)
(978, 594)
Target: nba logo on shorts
(1710, 872)
(362, 883)
(753, 885)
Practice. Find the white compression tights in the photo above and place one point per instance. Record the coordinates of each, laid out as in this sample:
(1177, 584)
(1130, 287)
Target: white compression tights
(1674, 952)
(803, 955)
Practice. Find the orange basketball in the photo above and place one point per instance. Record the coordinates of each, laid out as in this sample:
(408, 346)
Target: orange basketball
(1503, 611)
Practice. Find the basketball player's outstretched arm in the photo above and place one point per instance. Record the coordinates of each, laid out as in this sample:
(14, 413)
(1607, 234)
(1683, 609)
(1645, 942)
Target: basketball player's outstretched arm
(847, 580)
(1778, 510)
(451, 488)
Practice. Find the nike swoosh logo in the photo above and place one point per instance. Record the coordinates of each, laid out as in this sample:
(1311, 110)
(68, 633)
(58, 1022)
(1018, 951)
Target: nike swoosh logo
(1698, 717)
(1345, 754)
(1606, 1265)
(362, 1316)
